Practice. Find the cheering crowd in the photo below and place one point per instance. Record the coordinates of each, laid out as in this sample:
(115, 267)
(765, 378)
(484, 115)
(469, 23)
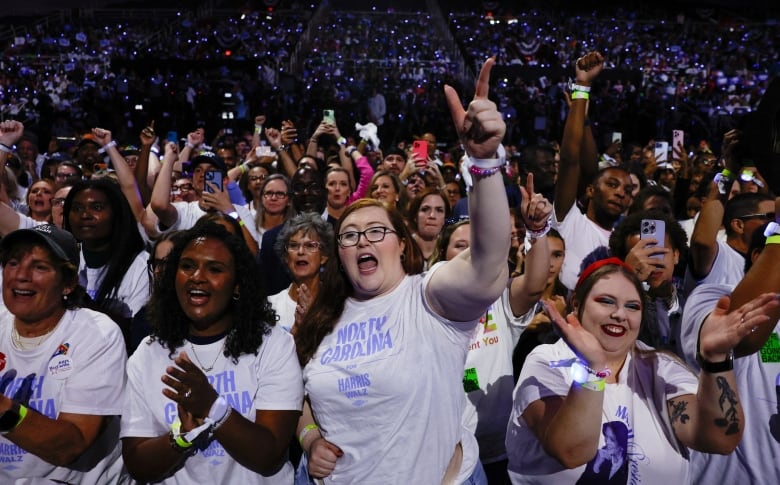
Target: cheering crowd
(326, 297)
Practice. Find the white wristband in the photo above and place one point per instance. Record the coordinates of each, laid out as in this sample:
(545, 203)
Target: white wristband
(5, 148)
(480, 163)
(218, 410)
(105, 147)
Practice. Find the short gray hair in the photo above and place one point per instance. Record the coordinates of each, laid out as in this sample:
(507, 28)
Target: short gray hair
(306, 222)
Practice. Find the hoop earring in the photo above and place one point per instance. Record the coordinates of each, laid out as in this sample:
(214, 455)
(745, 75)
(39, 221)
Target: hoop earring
(236, 296)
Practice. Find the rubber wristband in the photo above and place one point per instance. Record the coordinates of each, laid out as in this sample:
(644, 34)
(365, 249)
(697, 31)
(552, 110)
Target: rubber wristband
(580, 95)
(773, 239)
(597, 385)
(305, 431)
(22, 414)
(580, 87)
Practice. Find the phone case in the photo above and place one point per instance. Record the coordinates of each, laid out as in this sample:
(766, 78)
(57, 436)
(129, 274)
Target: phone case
(213, 177)
(653, 229)
(420, 149)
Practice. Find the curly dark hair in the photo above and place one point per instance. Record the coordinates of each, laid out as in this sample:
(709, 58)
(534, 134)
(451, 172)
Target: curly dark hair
(252, 315)
(631, 224)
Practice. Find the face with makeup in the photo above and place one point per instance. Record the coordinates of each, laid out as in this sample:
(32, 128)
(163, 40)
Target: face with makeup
(612, 312)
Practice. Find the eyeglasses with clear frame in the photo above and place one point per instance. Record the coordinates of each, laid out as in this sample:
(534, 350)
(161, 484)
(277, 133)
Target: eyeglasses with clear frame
(372, 234)
(309, 247)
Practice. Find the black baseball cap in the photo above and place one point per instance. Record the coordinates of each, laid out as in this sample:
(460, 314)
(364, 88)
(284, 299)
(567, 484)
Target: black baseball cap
(61, 242)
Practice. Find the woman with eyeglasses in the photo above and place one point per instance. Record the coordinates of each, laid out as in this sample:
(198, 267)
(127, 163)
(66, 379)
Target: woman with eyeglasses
(383, 346)
(275, 207)
(251, 183)
(305, 244)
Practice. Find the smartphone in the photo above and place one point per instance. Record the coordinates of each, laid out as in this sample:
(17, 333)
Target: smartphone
(617, 137)
(263, 151)
(215, 177)
(420, 150)
(653, 229)
(172, 137)
(678, 139)
(328, 116)
(661, 151)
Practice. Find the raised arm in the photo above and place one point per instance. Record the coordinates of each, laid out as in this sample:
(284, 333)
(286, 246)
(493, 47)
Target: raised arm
(526, 289)
(704, 240)
(713, 420)
(467, 284)
(10, 132)
(763, 276)
(161, 193)
(570, 172)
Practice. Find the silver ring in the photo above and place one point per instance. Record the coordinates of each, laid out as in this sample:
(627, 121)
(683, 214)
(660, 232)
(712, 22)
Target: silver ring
(188, 393)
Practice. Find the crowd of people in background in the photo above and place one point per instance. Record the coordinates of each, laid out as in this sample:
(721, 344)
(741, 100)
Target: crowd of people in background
(248, 280)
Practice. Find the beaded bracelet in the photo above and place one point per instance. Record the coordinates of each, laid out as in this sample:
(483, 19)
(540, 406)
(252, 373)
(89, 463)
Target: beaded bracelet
(541, 232)
(483, 172)
(589, 378)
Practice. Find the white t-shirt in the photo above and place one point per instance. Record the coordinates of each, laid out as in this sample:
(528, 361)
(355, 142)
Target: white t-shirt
(757, 457)
(727, 269)
(133, 292)
(80, 369)
(284, 306)
(488, 379)
(635, 407)
(581, 236)
(386, 387)
(270, 380)
(187, 214)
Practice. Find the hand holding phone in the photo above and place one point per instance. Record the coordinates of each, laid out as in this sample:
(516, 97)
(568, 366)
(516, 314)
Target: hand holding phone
(328, 116)
(678, 139)
(653, 229)
(420, 150)
(661, 151)
(214, 177)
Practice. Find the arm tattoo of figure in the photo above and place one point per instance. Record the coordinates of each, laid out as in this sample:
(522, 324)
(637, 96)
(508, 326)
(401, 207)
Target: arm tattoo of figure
(679, 409)
(728, 404)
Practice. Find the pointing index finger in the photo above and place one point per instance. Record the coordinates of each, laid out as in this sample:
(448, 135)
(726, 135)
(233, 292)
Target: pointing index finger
(483, 83)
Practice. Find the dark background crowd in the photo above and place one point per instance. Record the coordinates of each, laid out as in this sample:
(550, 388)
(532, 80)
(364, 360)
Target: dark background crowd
(217, 63)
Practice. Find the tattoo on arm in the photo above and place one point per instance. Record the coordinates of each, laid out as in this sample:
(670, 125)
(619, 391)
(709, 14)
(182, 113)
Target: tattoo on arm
(728, 404)
(679, 409)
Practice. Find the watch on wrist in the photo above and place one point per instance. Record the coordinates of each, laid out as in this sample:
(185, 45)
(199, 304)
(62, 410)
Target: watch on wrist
(715, 367)
(10, 418)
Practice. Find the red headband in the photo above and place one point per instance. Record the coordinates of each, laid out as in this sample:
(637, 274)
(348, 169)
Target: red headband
(598, 264)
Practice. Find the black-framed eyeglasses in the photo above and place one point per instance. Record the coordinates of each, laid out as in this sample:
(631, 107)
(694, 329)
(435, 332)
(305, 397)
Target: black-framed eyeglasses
(373, 234)
(256, 178)
(275, 195)
(760, 215)
(309, 247)
(181, 188)
(311, 188)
